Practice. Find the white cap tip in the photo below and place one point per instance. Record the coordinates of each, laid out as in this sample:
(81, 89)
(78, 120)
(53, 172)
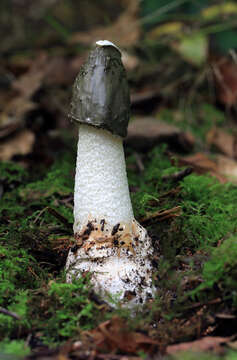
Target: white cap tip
(106, 43)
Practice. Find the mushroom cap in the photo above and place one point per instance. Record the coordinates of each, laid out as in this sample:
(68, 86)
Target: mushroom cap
(100, 92)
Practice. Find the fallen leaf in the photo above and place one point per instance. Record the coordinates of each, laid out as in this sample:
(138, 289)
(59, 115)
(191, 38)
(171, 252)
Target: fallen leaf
(14, 111)
(19, 144)
(124, 32)
(225, 73)
(50, 70)
(114, 335)
(202, 164)
(223, 141)
(144, 133)
(227, 167)
(12, 115)
(28, 83)
(44, 70)
(232, 345)
(204, 344)
(61, 71)
(144, 96)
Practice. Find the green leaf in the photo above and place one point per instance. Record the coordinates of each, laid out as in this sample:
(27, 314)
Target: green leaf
(193, 48)
(219, 10)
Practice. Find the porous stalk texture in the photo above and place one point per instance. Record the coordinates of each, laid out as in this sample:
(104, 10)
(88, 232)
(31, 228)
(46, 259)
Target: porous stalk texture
(101, 187)
(109, 243)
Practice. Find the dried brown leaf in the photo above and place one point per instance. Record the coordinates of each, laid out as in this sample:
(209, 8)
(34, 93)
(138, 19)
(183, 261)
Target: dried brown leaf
(114, 335)
(227, 167)
(143, 133)
(223, 141)
(201, 164)
(61, 71)
(225, 72)
(28, 83)
(20, 144)
(232, 345)
(207, 343)
(13, 113)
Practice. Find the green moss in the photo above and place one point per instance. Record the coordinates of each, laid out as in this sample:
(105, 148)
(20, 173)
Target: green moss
(59, 180)
(220, 272)
(150, 187)
(208, 207)
(208, 210)
(18, 348)
(11, 173)
(31, 283)
(65, 308)
(18, 306)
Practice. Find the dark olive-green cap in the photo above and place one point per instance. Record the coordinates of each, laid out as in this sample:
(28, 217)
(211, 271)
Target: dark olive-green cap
(100, 92)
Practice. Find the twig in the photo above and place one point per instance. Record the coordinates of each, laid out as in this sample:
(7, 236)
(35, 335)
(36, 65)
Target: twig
(139, 162)
(9, 313)
(178, 176)
(197, 305)
(39, 214)
(58, 216)
(162, 215)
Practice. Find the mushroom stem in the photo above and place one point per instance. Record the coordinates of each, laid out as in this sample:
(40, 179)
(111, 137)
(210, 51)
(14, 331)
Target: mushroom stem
(101, 187)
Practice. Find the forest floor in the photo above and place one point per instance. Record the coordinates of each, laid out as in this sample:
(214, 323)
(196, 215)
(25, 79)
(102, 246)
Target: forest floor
(182, 172)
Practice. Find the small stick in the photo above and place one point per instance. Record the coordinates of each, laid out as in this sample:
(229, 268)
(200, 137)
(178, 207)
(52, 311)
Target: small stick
(9, 313)
(178, 176)
(139, 162)
(58, 216)
(162, 215)
(199, 304)
(39, 214)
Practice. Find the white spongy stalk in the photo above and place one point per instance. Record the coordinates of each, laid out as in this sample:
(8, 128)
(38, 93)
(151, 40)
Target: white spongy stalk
(101, 187)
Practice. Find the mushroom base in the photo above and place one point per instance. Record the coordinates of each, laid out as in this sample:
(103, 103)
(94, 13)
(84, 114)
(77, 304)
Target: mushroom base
(118, 258)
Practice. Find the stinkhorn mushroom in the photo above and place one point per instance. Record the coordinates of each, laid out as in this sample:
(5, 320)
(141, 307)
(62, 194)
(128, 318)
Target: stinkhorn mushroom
(109, 242)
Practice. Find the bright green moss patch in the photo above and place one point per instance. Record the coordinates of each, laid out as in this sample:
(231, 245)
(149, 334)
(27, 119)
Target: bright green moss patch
(209, 212)
(17, 348)
(65, 309)
(219, 273)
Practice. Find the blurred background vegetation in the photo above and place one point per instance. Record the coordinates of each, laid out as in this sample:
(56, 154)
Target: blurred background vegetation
(177, 52)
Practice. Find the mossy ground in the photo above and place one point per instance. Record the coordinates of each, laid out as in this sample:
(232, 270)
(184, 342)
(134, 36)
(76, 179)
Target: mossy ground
(195, 257)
